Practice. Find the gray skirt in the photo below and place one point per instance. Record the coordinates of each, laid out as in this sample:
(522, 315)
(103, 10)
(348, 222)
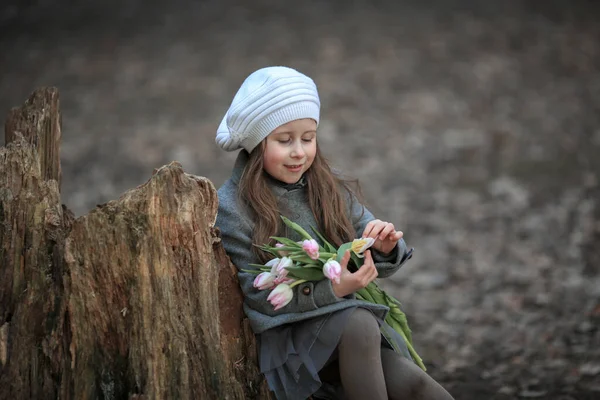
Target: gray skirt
(292, 355)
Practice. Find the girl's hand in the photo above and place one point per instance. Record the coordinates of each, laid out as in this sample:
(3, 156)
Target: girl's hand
(351, 282)
(384, 234)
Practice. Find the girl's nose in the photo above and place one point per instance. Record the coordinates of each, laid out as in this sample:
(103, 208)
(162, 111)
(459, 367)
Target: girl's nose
(297, 151)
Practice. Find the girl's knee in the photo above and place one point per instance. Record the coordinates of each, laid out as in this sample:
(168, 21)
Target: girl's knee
(405, 380)
(362, 326)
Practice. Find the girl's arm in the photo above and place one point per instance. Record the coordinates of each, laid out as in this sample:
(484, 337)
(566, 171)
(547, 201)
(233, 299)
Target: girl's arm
(386, 264)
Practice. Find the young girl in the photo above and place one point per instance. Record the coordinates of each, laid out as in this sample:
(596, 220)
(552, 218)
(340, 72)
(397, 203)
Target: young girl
(324, 343)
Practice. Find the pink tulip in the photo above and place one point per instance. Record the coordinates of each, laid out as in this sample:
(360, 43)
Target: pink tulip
(282, 272)
(273, 264)
(280, 268)
(283, 279)
(332, 270)
(264, 280)
(280, 296)
(311, 247)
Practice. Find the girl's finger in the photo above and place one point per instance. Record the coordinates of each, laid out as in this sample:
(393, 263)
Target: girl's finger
(387, 229)
(367, 276)
(374, 275)
(368, 258)
(377, 229)
(370, 228)
(344, 260)
(360, 277)
(364, 273)
(363, 270)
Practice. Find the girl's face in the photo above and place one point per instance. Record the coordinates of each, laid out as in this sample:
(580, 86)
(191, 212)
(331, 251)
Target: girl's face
(290, 150)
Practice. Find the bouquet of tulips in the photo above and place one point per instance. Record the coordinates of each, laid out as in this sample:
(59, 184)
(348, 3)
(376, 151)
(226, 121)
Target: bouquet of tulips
(299, 262)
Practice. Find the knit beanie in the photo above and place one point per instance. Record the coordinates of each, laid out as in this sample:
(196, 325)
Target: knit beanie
(267, 99)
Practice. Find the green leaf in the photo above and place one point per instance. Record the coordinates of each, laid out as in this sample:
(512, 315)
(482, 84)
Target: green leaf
(390, 340)
(286, 241)
(261, 267)
(313, 266)
(310, 274)
(284, 248)
(408, 342)
(268, 249)
(396, 317)
(358, 262)
(377, 294)
(252, 271)
(399, 317)
(328, 246)
(303, 258)
(298, 252)
(366, 295)
(343, 248)
(324, 259)
(297, 228)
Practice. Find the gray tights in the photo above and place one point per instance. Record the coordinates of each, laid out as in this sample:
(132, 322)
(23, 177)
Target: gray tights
(368, 371)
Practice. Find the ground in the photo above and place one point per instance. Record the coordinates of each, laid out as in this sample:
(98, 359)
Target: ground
(474, 127)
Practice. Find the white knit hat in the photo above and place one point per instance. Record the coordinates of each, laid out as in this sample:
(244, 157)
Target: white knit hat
(268, 98)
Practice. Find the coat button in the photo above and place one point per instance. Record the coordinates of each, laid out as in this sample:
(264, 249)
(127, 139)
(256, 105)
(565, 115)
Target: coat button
(306, 290)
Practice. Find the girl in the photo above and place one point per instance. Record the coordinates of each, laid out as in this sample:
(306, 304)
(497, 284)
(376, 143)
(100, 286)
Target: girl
(325, 342)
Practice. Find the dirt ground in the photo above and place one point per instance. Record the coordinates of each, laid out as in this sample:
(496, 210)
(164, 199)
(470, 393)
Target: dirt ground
(474, 127)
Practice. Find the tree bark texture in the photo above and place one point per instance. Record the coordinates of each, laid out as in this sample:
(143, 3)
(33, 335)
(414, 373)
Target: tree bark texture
(136, 299)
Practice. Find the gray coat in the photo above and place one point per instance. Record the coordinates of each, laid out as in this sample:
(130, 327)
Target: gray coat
(311, 299)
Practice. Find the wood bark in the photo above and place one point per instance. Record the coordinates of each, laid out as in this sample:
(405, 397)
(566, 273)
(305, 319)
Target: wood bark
(136, 299)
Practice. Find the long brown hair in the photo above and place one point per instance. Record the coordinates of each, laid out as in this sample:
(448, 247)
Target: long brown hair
(322, 183)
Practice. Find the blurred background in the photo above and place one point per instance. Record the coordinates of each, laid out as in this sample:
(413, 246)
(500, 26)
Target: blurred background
(473, 126)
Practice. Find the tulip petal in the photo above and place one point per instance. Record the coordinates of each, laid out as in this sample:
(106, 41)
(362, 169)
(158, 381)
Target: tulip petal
(280, 296)
(359, 246)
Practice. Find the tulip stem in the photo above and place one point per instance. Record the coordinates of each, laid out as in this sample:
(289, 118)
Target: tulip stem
(296, 283)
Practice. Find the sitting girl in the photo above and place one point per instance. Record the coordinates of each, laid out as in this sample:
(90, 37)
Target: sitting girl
(324, 343)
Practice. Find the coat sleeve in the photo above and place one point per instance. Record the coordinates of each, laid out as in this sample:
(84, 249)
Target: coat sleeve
(236, 236)
(386, 264)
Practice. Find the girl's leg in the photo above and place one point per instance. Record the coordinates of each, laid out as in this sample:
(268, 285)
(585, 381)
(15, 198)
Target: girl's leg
(405, 380)
(359, 355)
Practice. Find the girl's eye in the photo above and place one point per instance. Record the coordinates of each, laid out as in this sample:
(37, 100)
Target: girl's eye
(284, 141)
(307, 140)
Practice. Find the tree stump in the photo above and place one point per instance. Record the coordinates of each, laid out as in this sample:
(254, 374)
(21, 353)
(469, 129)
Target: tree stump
(135, 300)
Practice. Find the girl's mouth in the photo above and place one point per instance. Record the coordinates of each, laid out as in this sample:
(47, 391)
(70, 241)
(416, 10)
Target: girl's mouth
(294, 168)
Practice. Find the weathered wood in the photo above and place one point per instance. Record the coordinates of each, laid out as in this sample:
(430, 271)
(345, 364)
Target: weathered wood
(39, 122)
(32, 229)
(136, 299)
